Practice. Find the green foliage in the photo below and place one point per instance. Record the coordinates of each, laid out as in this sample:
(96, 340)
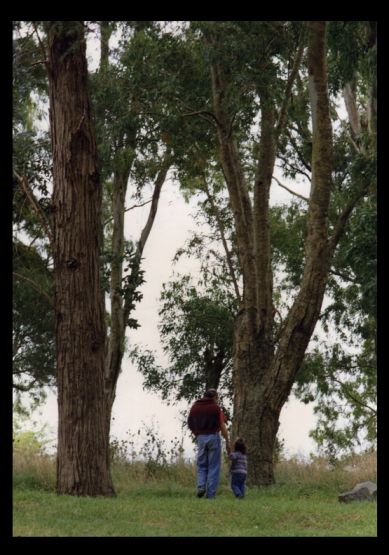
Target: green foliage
(359, 252)
(29, 442)
(348, 43)
(339, 373)
(344, 387)
(29, 78)
(196, 319)
(132, 116)
(33, 324)
(196, 333)
(31, 156)
(251, 55)
(33, 318)
(344, 377)
(33, 467)
(288, 233)
(133, 276)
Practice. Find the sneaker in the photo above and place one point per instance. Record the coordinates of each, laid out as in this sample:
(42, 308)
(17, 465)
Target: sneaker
(200, 492)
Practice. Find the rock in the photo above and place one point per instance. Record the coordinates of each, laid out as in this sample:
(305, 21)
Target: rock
(365, 491)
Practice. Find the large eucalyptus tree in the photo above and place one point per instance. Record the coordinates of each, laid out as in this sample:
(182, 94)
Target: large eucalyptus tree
(267, 357)
(83, 431)
(132, 142)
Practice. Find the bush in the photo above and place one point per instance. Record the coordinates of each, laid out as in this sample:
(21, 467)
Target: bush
(32, 467)
(321, 473)
(156, 454)
(154, 459)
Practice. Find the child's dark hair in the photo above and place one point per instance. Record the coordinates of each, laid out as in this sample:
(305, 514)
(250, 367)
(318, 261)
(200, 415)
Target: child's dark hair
(240, 445)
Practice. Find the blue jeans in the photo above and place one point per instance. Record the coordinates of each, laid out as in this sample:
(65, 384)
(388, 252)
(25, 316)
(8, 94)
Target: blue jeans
(208, 463)
(238, 480)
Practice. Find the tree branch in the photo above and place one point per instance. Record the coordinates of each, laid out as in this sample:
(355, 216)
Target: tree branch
(154, 203)
(128, 209)
(348, 394)
(35, 286)
(282, 116)
(45, 58)
(343, 276)
(231, 165)
(231, 124)
(37, 63)
(352, 111)
(138, 205)
(223, 238)
(211, 118)
(343, 219)
(149, 224)
(303, 315)
(290, 190)
(295, 168)
(354, 144)
(298, 152)
(24, 388)
(30, 195)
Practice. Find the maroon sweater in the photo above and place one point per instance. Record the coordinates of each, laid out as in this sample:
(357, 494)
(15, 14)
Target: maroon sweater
(205, 417)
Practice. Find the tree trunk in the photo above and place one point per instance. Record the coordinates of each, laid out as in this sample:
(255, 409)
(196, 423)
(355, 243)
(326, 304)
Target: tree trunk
(253, 420)
(83, 434)
(122, 304)
(372, 90)
(115, 348)
(263, 378)
(120, 311)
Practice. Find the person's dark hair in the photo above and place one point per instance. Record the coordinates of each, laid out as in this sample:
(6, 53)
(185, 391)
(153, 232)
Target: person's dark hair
(240, 446)
(211, 393)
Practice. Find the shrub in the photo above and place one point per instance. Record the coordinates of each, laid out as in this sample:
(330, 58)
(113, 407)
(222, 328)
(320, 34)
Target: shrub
(33, 468)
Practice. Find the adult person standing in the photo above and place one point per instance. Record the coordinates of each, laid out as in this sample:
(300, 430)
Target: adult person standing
(206, 419)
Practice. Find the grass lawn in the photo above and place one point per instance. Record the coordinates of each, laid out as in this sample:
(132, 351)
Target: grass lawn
(170, 509)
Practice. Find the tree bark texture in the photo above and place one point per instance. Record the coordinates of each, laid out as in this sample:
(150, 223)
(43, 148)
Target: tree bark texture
(83, 435)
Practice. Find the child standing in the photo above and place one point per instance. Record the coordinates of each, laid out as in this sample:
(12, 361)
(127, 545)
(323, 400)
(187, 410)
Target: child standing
(238, 468)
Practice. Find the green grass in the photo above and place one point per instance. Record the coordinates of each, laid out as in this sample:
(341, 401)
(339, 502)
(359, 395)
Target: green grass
(167, 509)
(160, 501)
